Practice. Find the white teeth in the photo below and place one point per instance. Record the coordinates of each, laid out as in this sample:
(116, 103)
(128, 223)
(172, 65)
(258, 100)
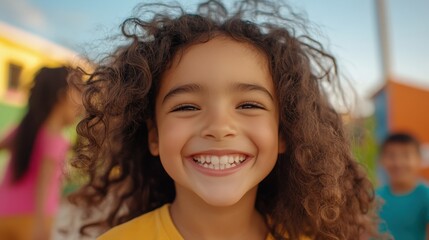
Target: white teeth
(223, 160)
(219, 162)
(214, 160)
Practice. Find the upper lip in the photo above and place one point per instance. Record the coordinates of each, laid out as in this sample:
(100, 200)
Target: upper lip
(220, 152)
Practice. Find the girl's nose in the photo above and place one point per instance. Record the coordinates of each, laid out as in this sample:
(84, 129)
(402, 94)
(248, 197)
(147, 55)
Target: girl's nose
(219, 124)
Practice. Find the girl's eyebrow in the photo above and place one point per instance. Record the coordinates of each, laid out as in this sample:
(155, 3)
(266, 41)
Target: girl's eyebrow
(186, 88)
(245, 87)
(192, 88)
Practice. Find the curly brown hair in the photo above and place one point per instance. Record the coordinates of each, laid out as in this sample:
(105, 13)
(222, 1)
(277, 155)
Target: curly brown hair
(316, 187)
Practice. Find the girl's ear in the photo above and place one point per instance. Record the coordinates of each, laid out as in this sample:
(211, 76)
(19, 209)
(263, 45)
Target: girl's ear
(152, 138)
(282, 144)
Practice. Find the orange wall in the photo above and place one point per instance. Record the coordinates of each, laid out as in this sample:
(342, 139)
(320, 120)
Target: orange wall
(408, 110)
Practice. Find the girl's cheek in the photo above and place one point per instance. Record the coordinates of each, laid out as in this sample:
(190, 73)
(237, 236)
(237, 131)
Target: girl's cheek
(172, 131)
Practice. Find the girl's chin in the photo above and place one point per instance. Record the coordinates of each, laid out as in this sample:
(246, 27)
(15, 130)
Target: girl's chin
(224, 198)
(221, 201)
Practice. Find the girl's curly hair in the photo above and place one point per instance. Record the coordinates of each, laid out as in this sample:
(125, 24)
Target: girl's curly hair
(316, 187)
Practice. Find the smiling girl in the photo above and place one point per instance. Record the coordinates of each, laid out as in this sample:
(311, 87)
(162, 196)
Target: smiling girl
(210, 126)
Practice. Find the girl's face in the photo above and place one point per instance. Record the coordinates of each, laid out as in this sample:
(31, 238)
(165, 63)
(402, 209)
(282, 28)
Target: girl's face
(217, 121)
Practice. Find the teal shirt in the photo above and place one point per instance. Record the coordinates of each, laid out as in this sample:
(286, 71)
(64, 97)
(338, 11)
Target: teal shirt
(405, 216)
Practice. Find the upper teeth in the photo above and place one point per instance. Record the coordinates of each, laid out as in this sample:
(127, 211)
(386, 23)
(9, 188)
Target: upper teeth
(219, 162)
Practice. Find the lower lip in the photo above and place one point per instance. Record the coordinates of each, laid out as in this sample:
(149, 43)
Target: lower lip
(219, 172)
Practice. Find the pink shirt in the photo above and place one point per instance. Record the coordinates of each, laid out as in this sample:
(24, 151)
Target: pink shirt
(20, 198)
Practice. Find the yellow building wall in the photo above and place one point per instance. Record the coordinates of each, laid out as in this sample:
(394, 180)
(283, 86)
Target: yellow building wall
(29, 59)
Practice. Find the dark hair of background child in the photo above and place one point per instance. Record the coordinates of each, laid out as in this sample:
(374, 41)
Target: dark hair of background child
(316, 187)
(401, 138)
(49, 85)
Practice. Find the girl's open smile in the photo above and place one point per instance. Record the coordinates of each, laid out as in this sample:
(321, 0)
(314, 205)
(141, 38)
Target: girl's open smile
(220, 163)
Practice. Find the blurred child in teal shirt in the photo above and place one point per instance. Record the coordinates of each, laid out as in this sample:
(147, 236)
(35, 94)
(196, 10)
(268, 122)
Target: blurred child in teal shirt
(405, 211)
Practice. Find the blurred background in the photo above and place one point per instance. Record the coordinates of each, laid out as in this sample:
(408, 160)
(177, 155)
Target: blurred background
(381, 47)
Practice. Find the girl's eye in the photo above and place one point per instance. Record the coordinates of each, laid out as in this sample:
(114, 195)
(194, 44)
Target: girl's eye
(250, 105)
(184, 107)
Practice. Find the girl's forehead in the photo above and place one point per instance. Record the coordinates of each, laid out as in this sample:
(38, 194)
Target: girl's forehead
(220, 59)
(221, 47)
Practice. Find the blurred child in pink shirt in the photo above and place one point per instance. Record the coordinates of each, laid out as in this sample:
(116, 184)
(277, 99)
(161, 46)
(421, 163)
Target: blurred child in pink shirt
(30, 189)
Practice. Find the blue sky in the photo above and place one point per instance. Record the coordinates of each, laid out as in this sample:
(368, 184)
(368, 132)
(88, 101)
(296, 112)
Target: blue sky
(348, 26)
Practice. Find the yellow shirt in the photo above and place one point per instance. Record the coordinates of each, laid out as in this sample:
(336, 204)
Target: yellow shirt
(155, 225)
